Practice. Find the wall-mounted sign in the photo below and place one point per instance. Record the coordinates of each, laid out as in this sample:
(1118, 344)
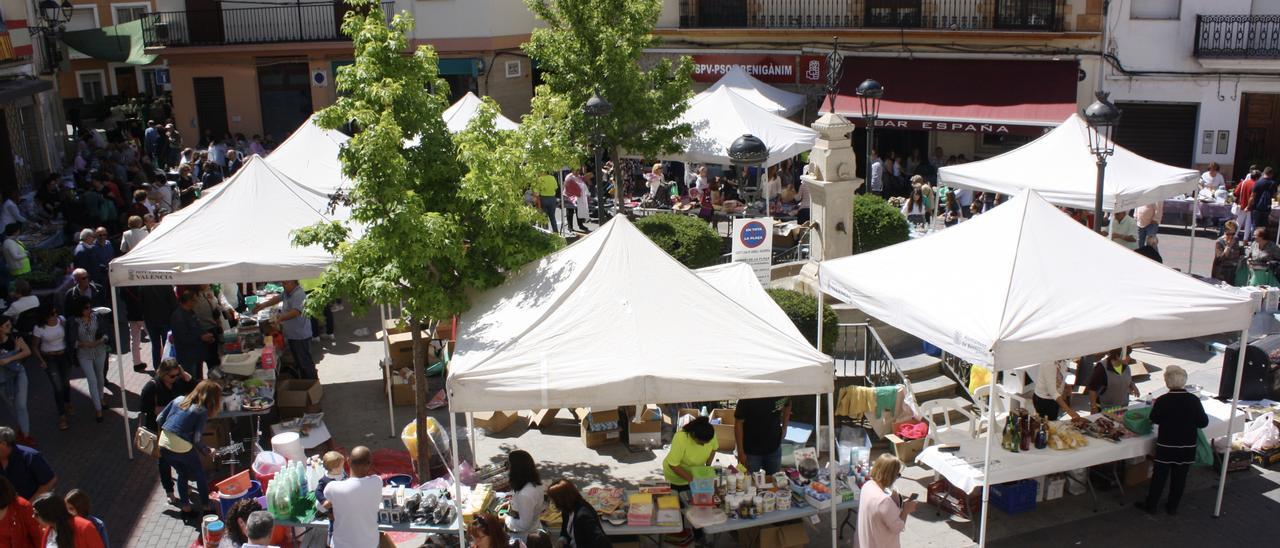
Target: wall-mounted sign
(775, 69)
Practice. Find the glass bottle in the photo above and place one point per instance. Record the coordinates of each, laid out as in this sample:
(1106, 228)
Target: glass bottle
(1042, 436)
(1025, 433)
(1006, 442)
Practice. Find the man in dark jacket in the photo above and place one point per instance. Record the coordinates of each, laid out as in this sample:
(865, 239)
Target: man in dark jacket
(188, 339)
(85, 289)
(158, 305)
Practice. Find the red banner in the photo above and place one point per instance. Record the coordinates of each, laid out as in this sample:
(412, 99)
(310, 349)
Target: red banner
(775, 69)
(813, 69)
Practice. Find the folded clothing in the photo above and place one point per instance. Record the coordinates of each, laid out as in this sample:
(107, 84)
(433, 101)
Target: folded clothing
(912, 430)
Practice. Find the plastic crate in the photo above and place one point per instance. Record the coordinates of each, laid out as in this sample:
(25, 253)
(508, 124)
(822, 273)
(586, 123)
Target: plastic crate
(1015, 497)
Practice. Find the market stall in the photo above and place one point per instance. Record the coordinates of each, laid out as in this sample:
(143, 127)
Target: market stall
(240, 231)
(720, 117)
(1039, 287)
(537, 341)
(310, 157)
(775, 100)
(459, 114)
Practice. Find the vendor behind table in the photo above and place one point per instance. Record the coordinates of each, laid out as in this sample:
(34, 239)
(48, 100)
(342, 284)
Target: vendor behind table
(759, 424)
(694, 445)
(295, 325)
(1111, 383)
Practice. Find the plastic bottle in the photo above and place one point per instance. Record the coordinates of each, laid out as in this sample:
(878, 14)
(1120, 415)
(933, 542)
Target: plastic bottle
(268, 354)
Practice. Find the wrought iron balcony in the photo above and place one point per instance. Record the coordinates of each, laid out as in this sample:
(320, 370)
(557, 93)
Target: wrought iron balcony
(1019, 15)
(1238, 36)
(300, 22)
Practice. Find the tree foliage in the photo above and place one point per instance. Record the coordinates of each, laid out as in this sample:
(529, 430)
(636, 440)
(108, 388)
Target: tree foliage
(596, 45)
(424, 230)
(802, 309)
(689, 240)
(878, 223)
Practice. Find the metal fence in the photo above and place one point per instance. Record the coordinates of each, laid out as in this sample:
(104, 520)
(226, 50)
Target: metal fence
(1046, 15)
(300, 22)
(1238, 36)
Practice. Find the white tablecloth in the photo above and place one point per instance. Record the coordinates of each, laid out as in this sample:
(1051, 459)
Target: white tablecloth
(963, 468)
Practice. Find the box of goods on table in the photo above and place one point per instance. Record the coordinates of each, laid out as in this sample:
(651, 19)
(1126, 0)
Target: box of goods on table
(727, 498)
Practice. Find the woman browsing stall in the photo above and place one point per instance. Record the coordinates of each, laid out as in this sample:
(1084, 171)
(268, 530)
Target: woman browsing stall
(527, 495)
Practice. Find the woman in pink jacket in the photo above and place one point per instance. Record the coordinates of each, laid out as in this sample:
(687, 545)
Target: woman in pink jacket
(882, 513)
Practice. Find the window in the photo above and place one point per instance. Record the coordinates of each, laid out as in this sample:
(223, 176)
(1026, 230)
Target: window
(82, 19)
(149, 85)
(1155, 9)
(91, 84)
(123, 13)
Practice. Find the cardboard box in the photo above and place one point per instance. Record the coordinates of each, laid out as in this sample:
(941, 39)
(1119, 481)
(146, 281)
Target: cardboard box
(298, 393)
(647, 432)
(1041, 484)
(1057, 483)
(1137, 473)
(785, 536)
(906, 450)
(401, 348)
(496, 421)
(392, 327)
(724, 430)
(295, 412)
(403, 394)
(603, 437)
(543, 418)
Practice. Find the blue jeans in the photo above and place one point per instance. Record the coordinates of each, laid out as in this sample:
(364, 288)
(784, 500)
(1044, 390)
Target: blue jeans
(1145, 231)
(549, 206)
(158, 332)
(59, 372)
(188, 467)
(770, 463)
(301, 351)
(13, 389)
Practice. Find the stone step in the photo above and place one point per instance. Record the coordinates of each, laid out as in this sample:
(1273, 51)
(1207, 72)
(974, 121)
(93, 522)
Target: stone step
(934, 388)
(919, 366)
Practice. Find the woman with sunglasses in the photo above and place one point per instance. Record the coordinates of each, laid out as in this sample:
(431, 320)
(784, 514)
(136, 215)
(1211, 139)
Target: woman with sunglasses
(171, 381)
(882, 513)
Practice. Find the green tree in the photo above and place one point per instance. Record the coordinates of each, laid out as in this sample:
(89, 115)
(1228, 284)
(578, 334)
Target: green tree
(689, 240)
(878, 224)
(596, 45)
(424, 230)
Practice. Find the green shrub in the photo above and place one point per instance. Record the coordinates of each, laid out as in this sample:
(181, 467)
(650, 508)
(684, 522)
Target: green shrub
(689, 239)
(801, 309)
(878, 224)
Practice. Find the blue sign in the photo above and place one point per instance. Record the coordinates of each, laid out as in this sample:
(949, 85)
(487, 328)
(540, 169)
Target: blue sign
(162, 76)
(753, 234)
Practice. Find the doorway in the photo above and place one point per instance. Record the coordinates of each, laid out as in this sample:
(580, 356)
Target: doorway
(211, 106)
(126, 81)
(284, 89)
(1257, 140)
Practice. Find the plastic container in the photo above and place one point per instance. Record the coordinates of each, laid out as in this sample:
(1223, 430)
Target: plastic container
(289, 446)
(234, 486)
(225, 502)
(702, 490)
(1014, 497)
(213, 533)
(265, 466)
(439, 440)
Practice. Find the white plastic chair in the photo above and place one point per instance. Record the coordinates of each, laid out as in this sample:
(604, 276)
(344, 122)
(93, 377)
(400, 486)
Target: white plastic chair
(947, 432)
(1003, 399)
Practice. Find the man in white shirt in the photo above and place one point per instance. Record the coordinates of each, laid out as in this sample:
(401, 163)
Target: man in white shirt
(964, 197)
(23, 299)
(1148, 218)
(354, 503)
(877, 174)
(1126, 230)
(1051, 398)
(258, 529)
(1212, 179)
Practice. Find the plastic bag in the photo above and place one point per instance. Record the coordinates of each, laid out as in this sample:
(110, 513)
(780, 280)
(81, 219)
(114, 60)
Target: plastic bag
(1138, 420)
(979, 375)
(1261, 433)
(1204, 453)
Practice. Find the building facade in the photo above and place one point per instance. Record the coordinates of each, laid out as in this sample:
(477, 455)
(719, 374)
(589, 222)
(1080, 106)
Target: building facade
(90, 84)
(973, 77)
(1198, 80)
(262, 68)
(31, 142)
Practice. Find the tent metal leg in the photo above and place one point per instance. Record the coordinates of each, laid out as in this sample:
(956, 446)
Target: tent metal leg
(986, 461)
(471, 436)
(386, 372)
(124, 394)
(457, 484)
(831, 465)
(1235, 404)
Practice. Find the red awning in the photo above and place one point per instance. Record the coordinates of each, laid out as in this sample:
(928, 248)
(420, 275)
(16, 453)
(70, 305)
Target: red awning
(974, 96)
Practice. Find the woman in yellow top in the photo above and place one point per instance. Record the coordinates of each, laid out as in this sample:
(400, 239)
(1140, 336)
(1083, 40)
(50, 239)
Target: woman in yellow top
(694, 445)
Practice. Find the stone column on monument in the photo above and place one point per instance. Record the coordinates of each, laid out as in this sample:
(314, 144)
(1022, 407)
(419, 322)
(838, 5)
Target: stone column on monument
(831, 181)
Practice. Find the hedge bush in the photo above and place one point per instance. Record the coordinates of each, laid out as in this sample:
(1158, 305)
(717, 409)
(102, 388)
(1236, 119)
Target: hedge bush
(878, 224)
(689, 239)
(800, 308)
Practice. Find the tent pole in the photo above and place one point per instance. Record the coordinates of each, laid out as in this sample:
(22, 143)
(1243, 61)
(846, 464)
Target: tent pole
(1235, 403)
(986, 460)
(471, 436)
(831, 468)
(124, 394)
(457, 483)
(817, 398)
(386, 371)
(1191, 252)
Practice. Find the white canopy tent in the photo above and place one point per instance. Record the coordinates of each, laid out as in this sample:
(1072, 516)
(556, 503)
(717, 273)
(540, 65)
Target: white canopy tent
(1060, 166)
(590, 325)
(720, 117)
(740, 283)
(459, 114)
(1039, 287)
(775, 100)
(310, 157)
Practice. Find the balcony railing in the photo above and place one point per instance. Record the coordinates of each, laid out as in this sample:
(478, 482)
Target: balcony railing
(297, 22)
(1238, 36)
(1035, 15)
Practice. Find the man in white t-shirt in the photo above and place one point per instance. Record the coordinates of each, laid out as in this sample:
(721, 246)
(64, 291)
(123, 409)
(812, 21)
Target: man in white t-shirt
(876, 185)
(1125, 232)
(354, 503)
(1051, 398)
(1212, 179)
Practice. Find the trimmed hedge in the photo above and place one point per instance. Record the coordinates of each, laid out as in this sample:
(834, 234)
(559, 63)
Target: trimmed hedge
(878, 224)
(689, 239)
(801, 309)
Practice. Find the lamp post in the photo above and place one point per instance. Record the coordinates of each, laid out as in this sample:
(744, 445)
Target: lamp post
(869, 94)
(746, 152)
(53, 18)
(1102, 117)
(597, 108)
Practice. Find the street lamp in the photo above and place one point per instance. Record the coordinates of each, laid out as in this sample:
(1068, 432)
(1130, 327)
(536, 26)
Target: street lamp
(869, 94)
(597, 108)
(746, 152)
(1102, 117)
(52, 19)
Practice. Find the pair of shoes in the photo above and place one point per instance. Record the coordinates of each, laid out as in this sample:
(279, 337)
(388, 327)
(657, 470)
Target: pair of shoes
(1142, 505)
(139, 367)
(62, 423)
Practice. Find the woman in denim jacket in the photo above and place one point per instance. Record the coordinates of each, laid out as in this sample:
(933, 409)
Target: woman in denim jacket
(181, 426)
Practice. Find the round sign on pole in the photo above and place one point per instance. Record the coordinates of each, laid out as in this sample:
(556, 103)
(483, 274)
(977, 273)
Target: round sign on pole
(753, 234)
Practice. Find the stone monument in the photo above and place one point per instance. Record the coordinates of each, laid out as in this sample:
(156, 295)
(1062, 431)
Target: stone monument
(831, 182)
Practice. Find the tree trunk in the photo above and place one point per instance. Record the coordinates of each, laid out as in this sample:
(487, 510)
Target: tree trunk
(420, 401)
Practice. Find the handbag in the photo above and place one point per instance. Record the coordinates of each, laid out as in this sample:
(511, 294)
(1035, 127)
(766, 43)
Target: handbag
(147, 442)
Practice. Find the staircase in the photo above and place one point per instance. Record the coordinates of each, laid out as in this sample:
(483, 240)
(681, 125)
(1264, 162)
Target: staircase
(873, 353)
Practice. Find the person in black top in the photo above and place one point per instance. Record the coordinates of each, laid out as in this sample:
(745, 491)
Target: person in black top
(1177, 415)
(1264, 190)
(759, 424)
(580, 526)
(170, 382)
(157, 304)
